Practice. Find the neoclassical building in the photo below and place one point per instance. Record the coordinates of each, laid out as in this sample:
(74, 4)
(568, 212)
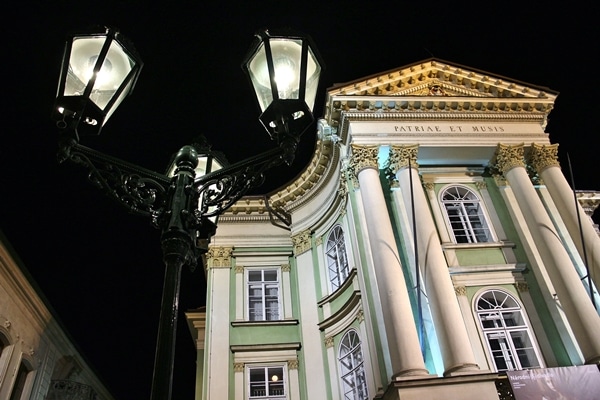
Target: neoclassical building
(38, 360)
(431, 246)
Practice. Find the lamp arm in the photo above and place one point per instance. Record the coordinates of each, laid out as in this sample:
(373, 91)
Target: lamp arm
(220, 189)
(140, 190)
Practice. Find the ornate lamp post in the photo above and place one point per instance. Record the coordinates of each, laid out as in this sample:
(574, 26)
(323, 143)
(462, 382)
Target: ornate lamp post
(99, 70)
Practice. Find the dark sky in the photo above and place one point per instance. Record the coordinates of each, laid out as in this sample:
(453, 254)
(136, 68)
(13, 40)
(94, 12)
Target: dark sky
(100, 267)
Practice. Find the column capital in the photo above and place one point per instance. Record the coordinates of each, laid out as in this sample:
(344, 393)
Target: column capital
(219, 257)
(544, 156)
(509, 157)
(401, 155)
(301, 242)
(364, 157)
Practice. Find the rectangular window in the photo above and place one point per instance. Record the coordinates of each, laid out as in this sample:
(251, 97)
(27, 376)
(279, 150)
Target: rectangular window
(266, 383)
(263, 294)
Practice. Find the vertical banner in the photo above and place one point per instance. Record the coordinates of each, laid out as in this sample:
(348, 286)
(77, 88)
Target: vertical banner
(562, 383)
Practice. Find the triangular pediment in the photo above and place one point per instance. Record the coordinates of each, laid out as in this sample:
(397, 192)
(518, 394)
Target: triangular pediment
(434, 77)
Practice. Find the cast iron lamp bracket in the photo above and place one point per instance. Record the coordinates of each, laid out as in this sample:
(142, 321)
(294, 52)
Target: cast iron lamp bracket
(184, 205)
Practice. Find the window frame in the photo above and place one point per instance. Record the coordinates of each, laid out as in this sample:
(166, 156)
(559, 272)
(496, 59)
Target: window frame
(265, 284)
(265, 367)
(337, 277)
(356, 370)
(510, 325)
(471, 233)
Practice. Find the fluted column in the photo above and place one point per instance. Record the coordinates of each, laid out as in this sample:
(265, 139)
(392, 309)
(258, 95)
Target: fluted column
(455, 345)
(405, 351)
(580, 313)
(545, 160)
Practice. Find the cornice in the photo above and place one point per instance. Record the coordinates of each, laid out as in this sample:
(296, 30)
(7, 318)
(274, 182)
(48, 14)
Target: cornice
(301, 190)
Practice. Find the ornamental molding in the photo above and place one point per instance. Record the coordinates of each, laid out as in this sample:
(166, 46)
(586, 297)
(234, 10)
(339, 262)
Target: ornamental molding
(509, 157)
(219, 257)
(437, 86)
(544, 156)
(402, 156)
(292, 364)
(307, 185)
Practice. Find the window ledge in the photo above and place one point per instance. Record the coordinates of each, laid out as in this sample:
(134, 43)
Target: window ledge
(485, 245)
(265, 323)
(348, 282)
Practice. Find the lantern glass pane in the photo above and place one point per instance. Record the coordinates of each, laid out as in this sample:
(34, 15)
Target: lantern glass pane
(84, 57)
(259, 75)
(312, 80)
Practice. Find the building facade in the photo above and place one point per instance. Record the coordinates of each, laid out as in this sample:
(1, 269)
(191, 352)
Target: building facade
(431, 246)
(38, 361)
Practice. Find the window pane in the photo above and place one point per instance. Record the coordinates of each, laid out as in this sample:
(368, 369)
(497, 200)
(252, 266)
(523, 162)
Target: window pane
(263, 295)
(508, 336)
(337, 259)
(352, 371)
(267, 382)
(465, 215)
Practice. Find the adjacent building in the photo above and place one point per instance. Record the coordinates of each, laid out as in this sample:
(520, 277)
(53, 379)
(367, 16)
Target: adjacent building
(38, 360)
(431, 246)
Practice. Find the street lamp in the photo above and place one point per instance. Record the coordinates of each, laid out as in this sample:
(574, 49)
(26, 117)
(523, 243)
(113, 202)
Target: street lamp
(99, 69)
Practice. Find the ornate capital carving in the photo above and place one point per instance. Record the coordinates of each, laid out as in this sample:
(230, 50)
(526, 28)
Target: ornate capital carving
(286, 268)
(301, 242)
(238, 367)
(460, 290)
(239, 269)
(509, 157)
(319, 241)
(219, 257)
(401, 156)
(481, 185)
(329, 341)
(360, 316)
(364, 157)
(292, 364)
(544, 156)
(522, 286)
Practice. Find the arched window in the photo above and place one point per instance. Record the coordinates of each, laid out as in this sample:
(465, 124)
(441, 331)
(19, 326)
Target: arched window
(23, 376)
(465, 215)
(506, 331)
(352, 370)
(337, 261)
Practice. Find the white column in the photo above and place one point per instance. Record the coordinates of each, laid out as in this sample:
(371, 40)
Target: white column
(314, 367)
(405, 350)
(545, 160)
(572, 295)
(451, 331)
(217, 338)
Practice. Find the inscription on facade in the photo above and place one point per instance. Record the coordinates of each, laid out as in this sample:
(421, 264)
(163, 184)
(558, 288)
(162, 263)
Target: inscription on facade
(449, 128)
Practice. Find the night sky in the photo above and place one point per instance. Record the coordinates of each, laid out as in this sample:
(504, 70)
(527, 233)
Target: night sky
(101, 268)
